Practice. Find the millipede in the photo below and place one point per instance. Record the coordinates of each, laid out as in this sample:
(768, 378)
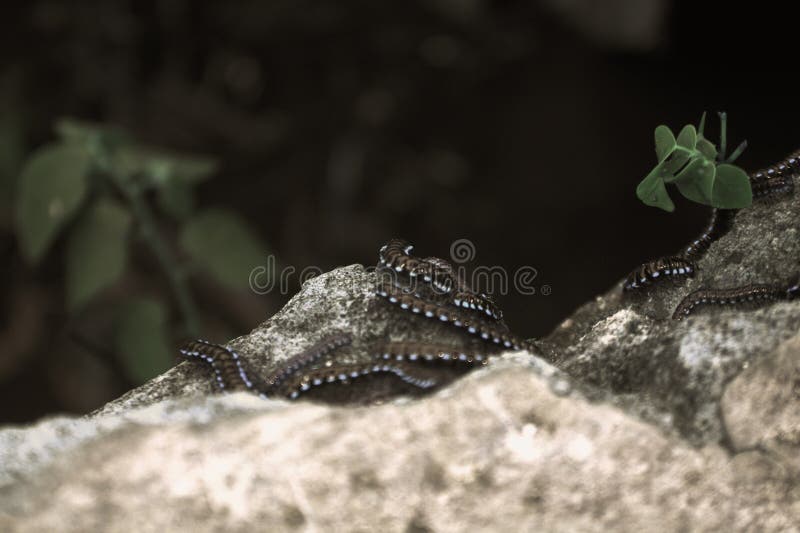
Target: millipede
(748, 294)
(776, 179)
(658, 269)
(720, 223)
(474, 325)
(308, 357)
(396, 255)
(226, 363)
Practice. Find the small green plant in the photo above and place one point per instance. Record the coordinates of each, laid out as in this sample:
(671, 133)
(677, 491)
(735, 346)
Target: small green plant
(701, 173)
(102, 191)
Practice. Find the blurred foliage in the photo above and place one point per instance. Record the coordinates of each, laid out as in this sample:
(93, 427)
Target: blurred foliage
(701, 173)
(99, 190)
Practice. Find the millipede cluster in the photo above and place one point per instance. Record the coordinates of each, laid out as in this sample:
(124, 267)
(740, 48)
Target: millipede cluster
(428, 287)
(774, 180)
(462, 307)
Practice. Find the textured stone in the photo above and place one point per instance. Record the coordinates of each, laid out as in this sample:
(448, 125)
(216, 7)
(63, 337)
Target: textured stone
(500, 449)
(761, 407)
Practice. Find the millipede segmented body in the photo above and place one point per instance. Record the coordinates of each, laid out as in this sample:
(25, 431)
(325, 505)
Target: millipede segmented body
(470, 322)
(749, 294)
(720, 223)
(308, 357)
(658, 269)
(396, 255)
(776, 179)
(226, 363)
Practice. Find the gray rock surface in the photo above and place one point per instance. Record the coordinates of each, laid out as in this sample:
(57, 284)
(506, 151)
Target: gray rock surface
(626, 421)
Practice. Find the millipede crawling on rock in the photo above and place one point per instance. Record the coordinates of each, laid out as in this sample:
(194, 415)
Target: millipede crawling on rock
(757, 293)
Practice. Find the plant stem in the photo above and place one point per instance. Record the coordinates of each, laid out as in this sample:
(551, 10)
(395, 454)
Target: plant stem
(723, 135)
(175, 274)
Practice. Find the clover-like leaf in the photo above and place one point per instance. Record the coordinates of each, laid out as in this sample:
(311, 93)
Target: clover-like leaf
(687, 138)
(141, 339)
(706, 148)
(97, 251)
(652, 192)
(222, 244)
(676, 161)
(665, 142)
(732, 188)
(697, 183)
(698, 169)
(51, 188)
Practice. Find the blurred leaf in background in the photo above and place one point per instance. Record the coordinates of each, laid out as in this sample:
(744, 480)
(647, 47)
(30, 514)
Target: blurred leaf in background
(52, 186)
(223, 245)
(97, 251)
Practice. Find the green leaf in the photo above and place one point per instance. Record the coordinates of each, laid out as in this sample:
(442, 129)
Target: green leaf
(698, 183)
(731, 188)
(141, 339)
(707, 148)
(221, 243)
(96, 251)
(176, 199)
(699, 169)
(687, 138)
(665, 142)
(652, 192)
(51, 188)
(676, 161)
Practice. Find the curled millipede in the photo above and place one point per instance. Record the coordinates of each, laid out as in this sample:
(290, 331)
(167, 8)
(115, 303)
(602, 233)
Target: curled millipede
(474, 325)
(749, 294)
(661, 268)
(228, 369)
(396, 255)
(720, 223)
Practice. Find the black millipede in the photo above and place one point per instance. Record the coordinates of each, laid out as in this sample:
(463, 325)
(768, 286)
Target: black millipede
(748, 294)
(720, 223)
(396, 255)
(473, 323)
(658, 269)
(308, 357)
(226, 363)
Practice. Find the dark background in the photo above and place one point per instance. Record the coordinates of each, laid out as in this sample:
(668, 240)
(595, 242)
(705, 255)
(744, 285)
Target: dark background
(523, 126)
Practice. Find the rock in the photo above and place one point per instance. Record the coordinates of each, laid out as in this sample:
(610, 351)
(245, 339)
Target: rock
(674, 373)
(623, 420)
(761, 407)
(500, 449)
